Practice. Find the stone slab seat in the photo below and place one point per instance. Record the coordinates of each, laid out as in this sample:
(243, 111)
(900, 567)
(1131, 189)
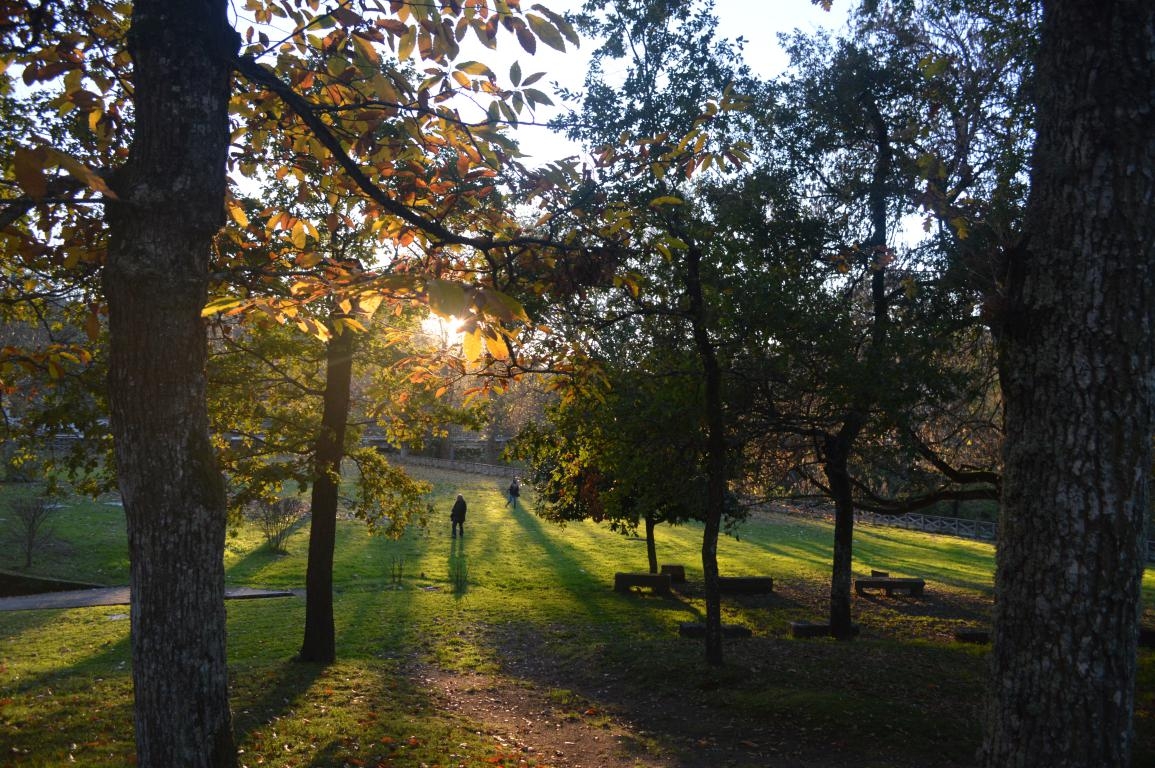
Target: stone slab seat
(972, 635)
(698, 629)
(658, 582)
(745, 585)
(806, 630)
(677, 573)
(890, 585)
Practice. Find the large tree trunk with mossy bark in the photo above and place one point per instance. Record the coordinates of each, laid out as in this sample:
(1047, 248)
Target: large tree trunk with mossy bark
(1076, 370)
(171, 203)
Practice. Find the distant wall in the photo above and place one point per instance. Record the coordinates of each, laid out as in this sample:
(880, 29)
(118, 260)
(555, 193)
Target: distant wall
(473, 467)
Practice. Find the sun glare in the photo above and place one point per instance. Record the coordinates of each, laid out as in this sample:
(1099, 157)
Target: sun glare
(446, 330)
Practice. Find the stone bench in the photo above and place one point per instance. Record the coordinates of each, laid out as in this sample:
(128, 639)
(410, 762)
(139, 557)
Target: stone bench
(806, 630)
(657, 582)
(972, 635)
(677, 573)
(890, 584)
(698, 629)
(745, 585)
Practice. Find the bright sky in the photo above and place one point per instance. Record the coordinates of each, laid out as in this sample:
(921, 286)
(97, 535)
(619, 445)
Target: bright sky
(758, 21)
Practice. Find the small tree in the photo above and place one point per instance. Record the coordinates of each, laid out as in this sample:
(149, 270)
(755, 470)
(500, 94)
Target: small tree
(32, 515)
(276, 518)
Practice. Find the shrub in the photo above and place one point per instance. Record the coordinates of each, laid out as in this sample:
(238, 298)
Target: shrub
(31, 514)
(276, 518)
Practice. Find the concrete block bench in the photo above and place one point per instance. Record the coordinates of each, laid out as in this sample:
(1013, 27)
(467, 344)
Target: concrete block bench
(745, 585)
(657, 582)
(890, 584)
(698, 629)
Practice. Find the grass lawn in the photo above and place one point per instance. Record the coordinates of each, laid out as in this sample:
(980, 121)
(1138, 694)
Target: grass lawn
(531, 604)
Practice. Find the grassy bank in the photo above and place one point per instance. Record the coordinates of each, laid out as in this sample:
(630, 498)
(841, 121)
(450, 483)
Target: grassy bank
(532, 604)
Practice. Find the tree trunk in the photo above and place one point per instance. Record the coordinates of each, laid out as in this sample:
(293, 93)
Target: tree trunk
(320, 643)
(837, 454)
(171, 192)
(715, 455)
(838, 447)
(651, 545)
(1076, 371)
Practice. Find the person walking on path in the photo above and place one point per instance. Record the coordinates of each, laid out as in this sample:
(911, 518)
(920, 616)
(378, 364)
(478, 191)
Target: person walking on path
(457, 517)
(514, 493)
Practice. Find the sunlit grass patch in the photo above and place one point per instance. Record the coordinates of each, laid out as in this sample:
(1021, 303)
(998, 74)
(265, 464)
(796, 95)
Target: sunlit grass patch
(533, 604)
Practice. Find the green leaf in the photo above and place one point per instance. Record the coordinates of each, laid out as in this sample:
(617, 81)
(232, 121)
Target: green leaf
(559, 21)
(447, 298)
(502, 306)
(545, 32)
(406, 44)
(475, 68)
(224, 304)
(534, 96)
(515, 74)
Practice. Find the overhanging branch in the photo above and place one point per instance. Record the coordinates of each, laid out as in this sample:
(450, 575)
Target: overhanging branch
(259, 75)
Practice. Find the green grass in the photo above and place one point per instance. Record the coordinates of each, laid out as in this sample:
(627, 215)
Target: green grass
(531, 601)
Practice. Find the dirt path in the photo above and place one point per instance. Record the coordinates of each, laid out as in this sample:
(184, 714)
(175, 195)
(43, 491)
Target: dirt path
(547, 728)
(539, 728)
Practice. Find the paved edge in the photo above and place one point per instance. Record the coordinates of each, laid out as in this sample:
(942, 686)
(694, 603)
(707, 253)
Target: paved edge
(86, 598)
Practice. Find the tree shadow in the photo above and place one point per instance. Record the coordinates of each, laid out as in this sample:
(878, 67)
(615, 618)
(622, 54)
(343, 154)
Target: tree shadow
(458, 573)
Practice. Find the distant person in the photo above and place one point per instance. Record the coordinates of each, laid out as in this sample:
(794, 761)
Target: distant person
(457, 517)
(514, 493)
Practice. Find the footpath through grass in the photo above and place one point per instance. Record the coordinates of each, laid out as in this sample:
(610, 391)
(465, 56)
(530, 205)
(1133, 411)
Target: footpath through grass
(533, 604)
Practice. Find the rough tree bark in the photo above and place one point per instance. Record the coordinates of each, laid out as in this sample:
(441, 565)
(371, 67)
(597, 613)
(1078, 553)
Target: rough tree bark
(320, 642)
(171, 202)
(1076, 369)
(651, 544)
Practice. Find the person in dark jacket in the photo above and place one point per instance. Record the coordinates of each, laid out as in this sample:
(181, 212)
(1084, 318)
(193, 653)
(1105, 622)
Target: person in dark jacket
(514, 493)
(457, 516)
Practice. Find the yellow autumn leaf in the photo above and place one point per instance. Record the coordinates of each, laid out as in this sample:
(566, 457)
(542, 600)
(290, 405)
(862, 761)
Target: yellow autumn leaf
(298, 234)
(497, 346)
(237, 213)
(471, 346)
(367, 50)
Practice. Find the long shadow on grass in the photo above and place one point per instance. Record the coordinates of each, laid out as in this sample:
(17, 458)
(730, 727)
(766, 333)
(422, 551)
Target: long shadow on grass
(110, 659)
(85, 701)
(246, 569)
(587, 589)
(268, 693)
(458, 568)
